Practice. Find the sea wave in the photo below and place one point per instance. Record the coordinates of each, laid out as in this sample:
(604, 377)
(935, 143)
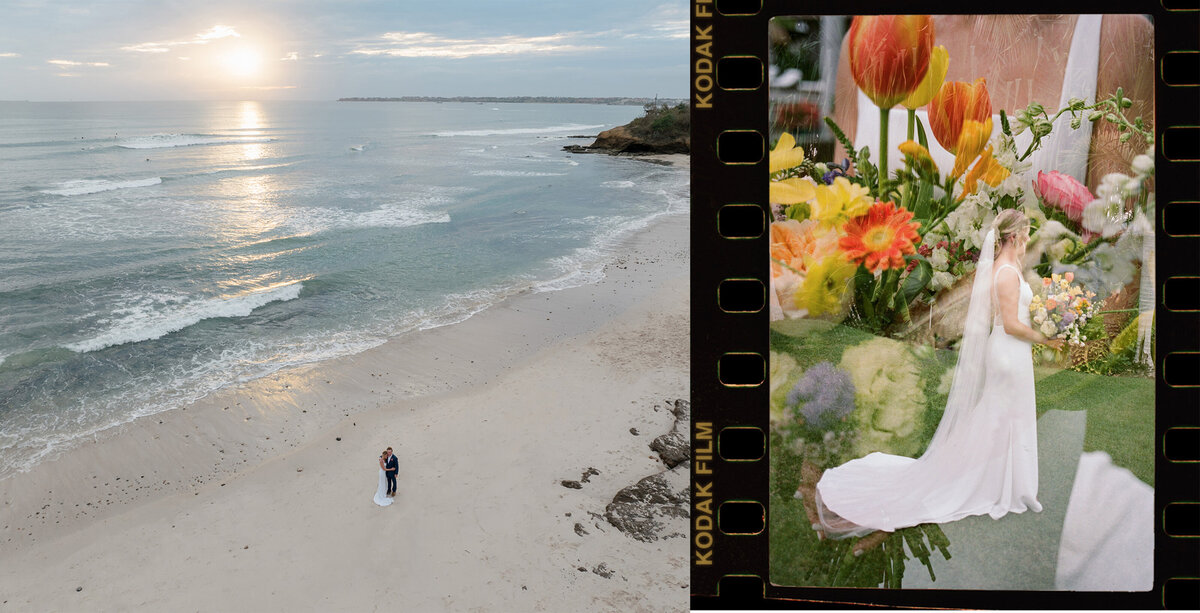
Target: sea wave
(161, 141)
(618, 184)
(157, 316)
(394, 215)
(93, 186)
(516, 173)
(504, 131)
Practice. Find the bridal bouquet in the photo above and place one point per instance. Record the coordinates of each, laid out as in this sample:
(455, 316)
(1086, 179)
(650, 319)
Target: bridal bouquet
(1060, 310)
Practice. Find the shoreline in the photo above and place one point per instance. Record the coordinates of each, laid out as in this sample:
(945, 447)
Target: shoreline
(230, 447)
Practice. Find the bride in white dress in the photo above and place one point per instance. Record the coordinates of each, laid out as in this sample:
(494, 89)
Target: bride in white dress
(381, 497)
(983, 456)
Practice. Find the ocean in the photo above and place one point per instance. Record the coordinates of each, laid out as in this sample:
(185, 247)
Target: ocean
(154, 252)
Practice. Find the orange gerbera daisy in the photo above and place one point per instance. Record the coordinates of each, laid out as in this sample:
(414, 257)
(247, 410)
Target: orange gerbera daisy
(879, 239)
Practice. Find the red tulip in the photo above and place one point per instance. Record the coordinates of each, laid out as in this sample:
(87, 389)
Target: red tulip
(954, 104)
(889, 55)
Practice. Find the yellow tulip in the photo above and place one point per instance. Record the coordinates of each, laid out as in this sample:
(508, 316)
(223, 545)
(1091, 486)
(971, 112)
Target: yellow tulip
(939, 61)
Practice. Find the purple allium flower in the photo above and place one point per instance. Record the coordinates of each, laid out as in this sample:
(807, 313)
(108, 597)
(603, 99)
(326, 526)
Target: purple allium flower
(823, 396)
(1068, 318)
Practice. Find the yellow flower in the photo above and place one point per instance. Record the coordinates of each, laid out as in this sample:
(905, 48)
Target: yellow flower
(987, 169)
(792, 191)
(939, 61)
(919, 154)
(786, 154)
(836, 203)
(826, 286)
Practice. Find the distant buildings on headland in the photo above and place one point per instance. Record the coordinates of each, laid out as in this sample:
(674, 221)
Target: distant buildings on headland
(537, 99)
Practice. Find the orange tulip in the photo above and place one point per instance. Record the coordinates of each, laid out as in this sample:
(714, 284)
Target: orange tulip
(955, 104)
(889, 55)
(987, 169)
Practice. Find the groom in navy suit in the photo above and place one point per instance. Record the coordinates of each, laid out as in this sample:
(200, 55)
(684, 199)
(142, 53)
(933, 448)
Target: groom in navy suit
(392, 467)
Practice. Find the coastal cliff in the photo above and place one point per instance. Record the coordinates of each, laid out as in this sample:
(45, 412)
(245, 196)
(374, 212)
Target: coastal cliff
(661, 130)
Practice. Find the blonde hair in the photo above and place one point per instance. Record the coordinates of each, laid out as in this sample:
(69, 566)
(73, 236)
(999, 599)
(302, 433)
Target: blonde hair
(1010, 224)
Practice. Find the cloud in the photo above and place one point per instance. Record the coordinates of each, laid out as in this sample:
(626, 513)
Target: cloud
(216, 32)
(67, 74)
(290, 57)
(268, 87)
(424, 44)
(73, 63)
(10, 55)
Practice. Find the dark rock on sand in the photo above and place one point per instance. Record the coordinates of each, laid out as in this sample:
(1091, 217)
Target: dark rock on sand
(674, 446)
(602, 570)
(579, 529)
(644, 510)
(572, 484)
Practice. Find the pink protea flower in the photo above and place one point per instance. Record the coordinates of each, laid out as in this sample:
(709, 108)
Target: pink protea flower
(1063, 192)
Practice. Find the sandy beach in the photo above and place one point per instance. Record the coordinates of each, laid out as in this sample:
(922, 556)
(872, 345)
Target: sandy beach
(258, 497)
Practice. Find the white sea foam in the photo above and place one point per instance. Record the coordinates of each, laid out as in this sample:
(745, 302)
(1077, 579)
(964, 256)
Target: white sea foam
(393, 215)
(618, 184)
(516, 173)
(504, 131)
(93, 186)
(156, 316)
(162, 141)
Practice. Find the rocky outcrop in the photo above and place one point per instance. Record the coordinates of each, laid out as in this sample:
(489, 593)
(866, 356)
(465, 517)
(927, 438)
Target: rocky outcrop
(674, 446)
(657, 506)
(623, 140)
(662, 130)
(646, 509)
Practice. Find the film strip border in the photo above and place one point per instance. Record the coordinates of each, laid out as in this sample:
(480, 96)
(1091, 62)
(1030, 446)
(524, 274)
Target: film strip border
(730, 240)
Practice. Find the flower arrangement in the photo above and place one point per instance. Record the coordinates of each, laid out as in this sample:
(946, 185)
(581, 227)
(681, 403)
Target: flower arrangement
(1061, 310)
(864, 243)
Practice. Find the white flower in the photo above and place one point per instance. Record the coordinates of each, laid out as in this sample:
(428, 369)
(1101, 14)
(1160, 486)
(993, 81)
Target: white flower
(1143, 165)
(1105, 218)
(941, 280)
(1047, 328)
(1113, 264)
(967, 266)
(1011, 185)
(939, 258)
(1052, 230)
(968, 221)
(1040, 317)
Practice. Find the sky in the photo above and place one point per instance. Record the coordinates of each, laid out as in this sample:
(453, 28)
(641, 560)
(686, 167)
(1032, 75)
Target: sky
(326, 49)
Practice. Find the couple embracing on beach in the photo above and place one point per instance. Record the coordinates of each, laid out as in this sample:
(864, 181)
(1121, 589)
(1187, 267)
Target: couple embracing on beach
(388, 467)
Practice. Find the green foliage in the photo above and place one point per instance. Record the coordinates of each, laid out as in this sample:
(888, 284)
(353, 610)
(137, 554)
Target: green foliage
(662, 122)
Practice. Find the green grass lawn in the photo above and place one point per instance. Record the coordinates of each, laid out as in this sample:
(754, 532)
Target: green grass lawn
(1120, 414)
(1120, 421)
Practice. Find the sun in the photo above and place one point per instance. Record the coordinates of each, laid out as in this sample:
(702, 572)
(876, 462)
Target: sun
(243, 62)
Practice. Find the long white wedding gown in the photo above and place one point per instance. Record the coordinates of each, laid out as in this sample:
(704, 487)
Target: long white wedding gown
(381, 497)
(983, 457)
